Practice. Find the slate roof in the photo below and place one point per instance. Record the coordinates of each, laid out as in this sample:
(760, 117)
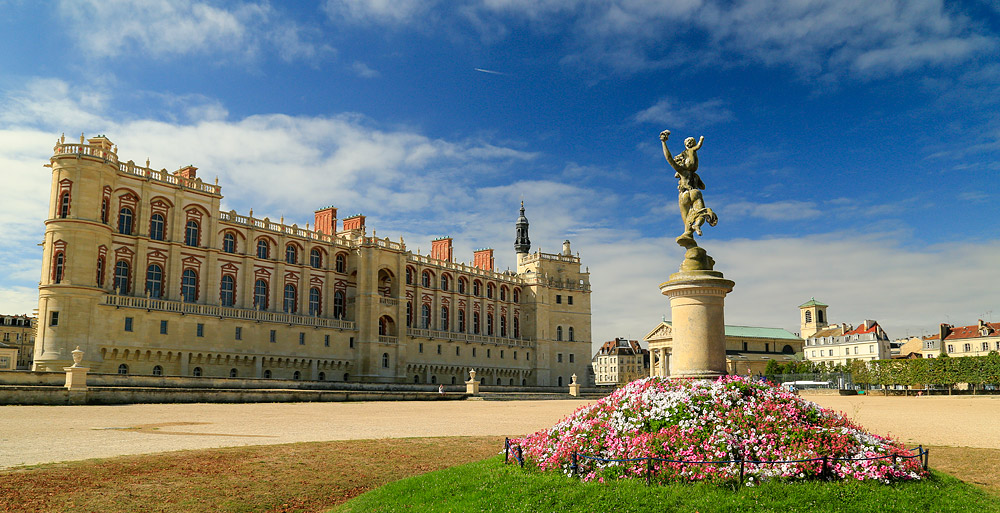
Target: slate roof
(812, 302)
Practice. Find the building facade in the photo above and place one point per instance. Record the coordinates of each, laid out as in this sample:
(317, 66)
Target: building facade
(18, 331)
(978, 339)
(619, 361)
(842, 344)
(145, 274)
(748, 348)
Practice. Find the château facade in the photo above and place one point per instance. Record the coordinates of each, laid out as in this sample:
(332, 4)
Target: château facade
(146, 275)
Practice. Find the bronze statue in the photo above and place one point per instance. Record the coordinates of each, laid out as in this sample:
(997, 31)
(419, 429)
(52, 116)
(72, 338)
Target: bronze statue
(694, 213)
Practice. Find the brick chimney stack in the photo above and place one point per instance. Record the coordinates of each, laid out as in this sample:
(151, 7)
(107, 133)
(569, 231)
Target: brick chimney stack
(441, 249)
(326, 220)
(355, 222)
(189, 172)
(483, 259)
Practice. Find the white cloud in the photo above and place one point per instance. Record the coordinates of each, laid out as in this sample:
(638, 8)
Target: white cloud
(363, 71)
(668, 111)
(377, 11)
(787, 210)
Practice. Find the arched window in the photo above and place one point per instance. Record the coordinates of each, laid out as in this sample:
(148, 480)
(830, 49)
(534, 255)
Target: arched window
(444, 318)
(490, 288)
(434, 379)
(64, 205)
(58, 267)
(157, 370)
(338, 305)
(233, 373)
(227, 291)
(260, 295)
(570, 330)
(416, 379)
(154, 281)
(444, 282)
(819, 316)
(383, 326)
(503, 325)
(123, 369)
(809, 316)
(341, 263)
(289, 305)
(314, 301)
(156, 227)
(517, 295)
(425, 279)
(291, 254)
(560, 381)
(121, 277)
(125, 221)
(189, 286)
(385, 360)
(267, 373)
(461, 321)
(475, 323)
(315, 258)
(517, 328)
(461, 285)
(498, 381)
(409, 276)
(192, 233)
(409, 314)
(503, 295)
(476, 286)
(104, 210)
(425, 316)
(558, 332)
(263, 249)
(296, 375)
(196, 372)
(322, 376)
(229, 243)
(100, 271)
(347, 376)
(489, 324)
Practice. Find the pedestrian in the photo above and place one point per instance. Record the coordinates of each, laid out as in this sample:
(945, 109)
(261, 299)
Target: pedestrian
(441, 389)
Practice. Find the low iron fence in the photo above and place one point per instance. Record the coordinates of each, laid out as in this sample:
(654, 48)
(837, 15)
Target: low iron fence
(826, 468)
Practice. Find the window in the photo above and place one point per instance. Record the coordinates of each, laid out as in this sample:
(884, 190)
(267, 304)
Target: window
(951, 348)
(385, 360)
(420, 347)
(501, 354)
(189, 286)
(302, 338)
(200, 330)
(314, 301)
(54, 319)
(475, 323)
(517, 328)
(296, 375)
(489, 324)
(571, 357)
(326, 340)
(570, 333)
(341, 263)
(196, 372)
(503, 293)
(444, 318)
(338, 304)
(229, 243)
(128, 324)
(156, 227)
(444, 282)
(291, 254)
(315, 258)
(473, 352)
(104, 210)
(490, 289)
(192, 233)
(322, 376)
(966, 348)
(558, 299)
(425, 279)
(121, 277)
(819, 315)
(559, 358)
(425, 316)
(267, 374)
(558, 332)
(350, 343)
(503, 325)
(515, 355)
(461, 285)
(476, 288)
(986, 346)
(227, 291)
(260, 295)
(233, 373)
(163, 327)
(409, 276)
(439, 348)
(409, 314)
(569, 300)
(123, 369)
(274, 336)
(458, 351)
(239, 333)
(100, 271)
(125, 221)
(809, 316)
(157, 370)
(57, 272)
(154, 281)
(64, 205)
(461, 321)
(488, 353)
(517, 295)
(263, 249)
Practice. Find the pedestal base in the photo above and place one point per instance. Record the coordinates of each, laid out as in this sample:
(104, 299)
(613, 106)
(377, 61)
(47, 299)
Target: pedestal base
(472, 387)
(76, 377)
(697, 301)
(574, 390)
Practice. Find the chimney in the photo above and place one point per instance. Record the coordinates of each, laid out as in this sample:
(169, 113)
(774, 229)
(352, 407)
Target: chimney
(326, 220)
(441, 249)
(189, 172)
(945, 331)
(355, 222)
(483, 259)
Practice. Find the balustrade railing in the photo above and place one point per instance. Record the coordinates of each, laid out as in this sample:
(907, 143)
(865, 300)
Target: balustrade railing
(163, 305)
(469, 337)
(386, 339)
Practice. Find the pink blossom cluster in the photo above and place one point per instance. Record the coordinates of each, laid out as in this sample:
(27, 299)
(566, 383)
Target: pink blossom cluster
(728, 419)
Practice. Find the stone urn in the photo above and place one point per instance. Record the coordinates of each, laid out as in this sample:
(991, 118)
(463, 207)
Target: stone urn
(472, 374)
(77, 356)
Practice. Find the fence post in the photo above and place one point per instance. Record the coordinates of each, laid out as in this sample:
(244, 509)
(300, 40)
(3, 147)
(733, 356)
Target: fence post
(506, 450)
(823, 470)
(520, 456)
(649, 469)
(742, 474)
(927, 458)
(575, 468)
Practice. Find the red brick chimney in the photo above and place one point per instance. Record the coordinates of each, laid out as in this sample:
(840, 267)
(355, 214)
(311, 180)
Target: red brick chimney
(355, 222)
(483, 259)
(326, 220)
(189, 172)
(441, 249)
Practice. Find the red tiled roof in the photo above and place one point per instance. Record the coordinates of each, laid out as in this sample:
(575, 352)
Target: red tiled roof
(860, 330)
(972, 331)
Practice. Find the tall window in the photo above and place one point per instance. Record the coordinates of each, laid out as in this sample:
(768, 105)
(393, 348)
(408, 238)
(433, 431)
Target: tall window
(263, 249)
(409, 276)
(191, 233)
(156, 227)
(385, 360)
(100, 271)
(104, 210)
(809, 316)
(444, 282)
(476, 288)
(290, 299)
(425, 316)
(291, 254)
(58, 265)
(338, 305)
(558, 332)
(341, 263)
(503, 325)
(315, 258)
(125, 221)
(475, 323)
(64, 205)
(570, 330)
(189, 286)
(461, 286)
(444, 318)
(229, 243)
(121, 277)
(489, 290)
(227, 291)
(409, 314)
(461, 320)
(489, 324)
(314, 303)
(154, 281)
(517, 295)
(425, 279)
(517, 328)
(260, 295)
(503, 293)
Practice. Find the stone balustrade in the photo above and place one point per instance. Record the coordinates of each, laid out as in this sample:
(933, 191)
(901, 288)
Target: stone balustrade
(469, 337)
(163, 305)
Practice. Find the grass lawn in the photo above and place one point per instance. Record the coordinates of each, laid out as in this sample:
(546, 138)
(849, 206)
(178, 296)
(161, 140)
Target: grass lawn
(491, 486)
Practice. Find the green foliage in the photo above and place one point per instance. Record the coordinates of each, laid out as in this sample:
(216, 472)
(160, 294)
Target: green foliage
(490, 485)
(975, 370)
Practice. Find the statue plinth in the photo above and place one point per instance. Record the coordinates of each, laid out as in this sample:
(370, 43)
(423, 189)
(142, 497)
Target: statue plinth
(697, 301)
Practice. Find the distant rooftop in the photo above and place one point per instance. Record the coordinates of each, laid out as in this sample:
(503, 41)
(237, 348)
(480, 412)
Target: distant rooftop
(811, 302)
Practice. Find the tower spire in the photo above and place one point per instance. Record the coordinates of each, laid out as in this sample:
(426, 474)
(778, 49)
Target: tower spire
(522, 244)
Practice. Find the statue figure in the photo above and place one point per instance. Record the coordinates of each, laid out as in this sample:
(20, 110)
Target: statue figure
(694, 213)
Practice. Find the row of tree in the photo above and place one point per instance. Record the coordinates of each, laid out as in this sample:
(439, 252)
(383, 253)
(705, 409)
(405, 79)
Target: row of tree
(974, 370)
(774, 368)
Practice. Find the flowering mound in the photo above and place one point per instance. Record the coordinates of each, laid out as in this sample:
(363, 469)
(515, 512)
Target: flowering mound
(722, 421)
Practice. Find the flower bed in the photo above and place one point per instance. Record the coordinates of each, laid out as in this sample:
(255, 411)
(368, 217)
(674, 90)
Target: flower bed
(727, 420)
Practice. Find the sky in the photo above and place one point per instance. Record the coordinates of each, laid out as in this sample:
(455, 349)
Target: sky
(852, 148)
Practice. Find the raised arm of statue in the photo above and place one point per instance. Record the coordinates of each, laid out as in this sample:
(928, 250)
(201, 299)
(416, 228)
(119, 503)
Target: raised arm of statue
(664, 135)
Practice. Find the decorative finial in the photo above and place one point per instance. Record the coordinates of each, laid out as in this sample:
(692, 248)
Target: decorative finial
(81, 137)
(63, 138)
(147, 161)
(251, 212)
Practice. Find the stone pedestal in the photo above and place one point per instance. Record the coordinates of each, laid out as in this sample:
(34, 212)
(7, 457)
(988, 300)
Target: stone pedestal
(574, 387)
(472, 386)
(76, 377)
(697, 300)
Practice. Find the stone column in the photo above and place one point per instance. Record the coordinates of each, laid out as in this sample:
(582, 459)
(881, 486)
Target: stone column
(699, 339)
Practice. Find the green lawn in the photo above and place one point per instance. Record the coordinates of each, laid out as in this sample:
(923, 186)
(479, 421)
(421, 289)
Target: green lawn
(489, 485)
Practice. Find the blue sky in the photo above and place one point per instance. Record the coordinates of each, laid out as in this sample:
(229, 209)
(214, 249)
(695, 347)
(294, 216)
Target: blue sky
(851, 147)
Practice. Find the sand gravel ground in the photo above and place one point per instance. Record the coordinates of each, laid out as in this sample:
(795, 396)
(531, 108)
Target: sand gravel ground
(41, 434)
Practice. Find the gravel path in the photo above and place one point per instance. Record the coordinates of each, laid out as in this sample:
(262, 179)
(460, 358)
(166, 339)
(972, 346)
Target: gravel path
(41, 434)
